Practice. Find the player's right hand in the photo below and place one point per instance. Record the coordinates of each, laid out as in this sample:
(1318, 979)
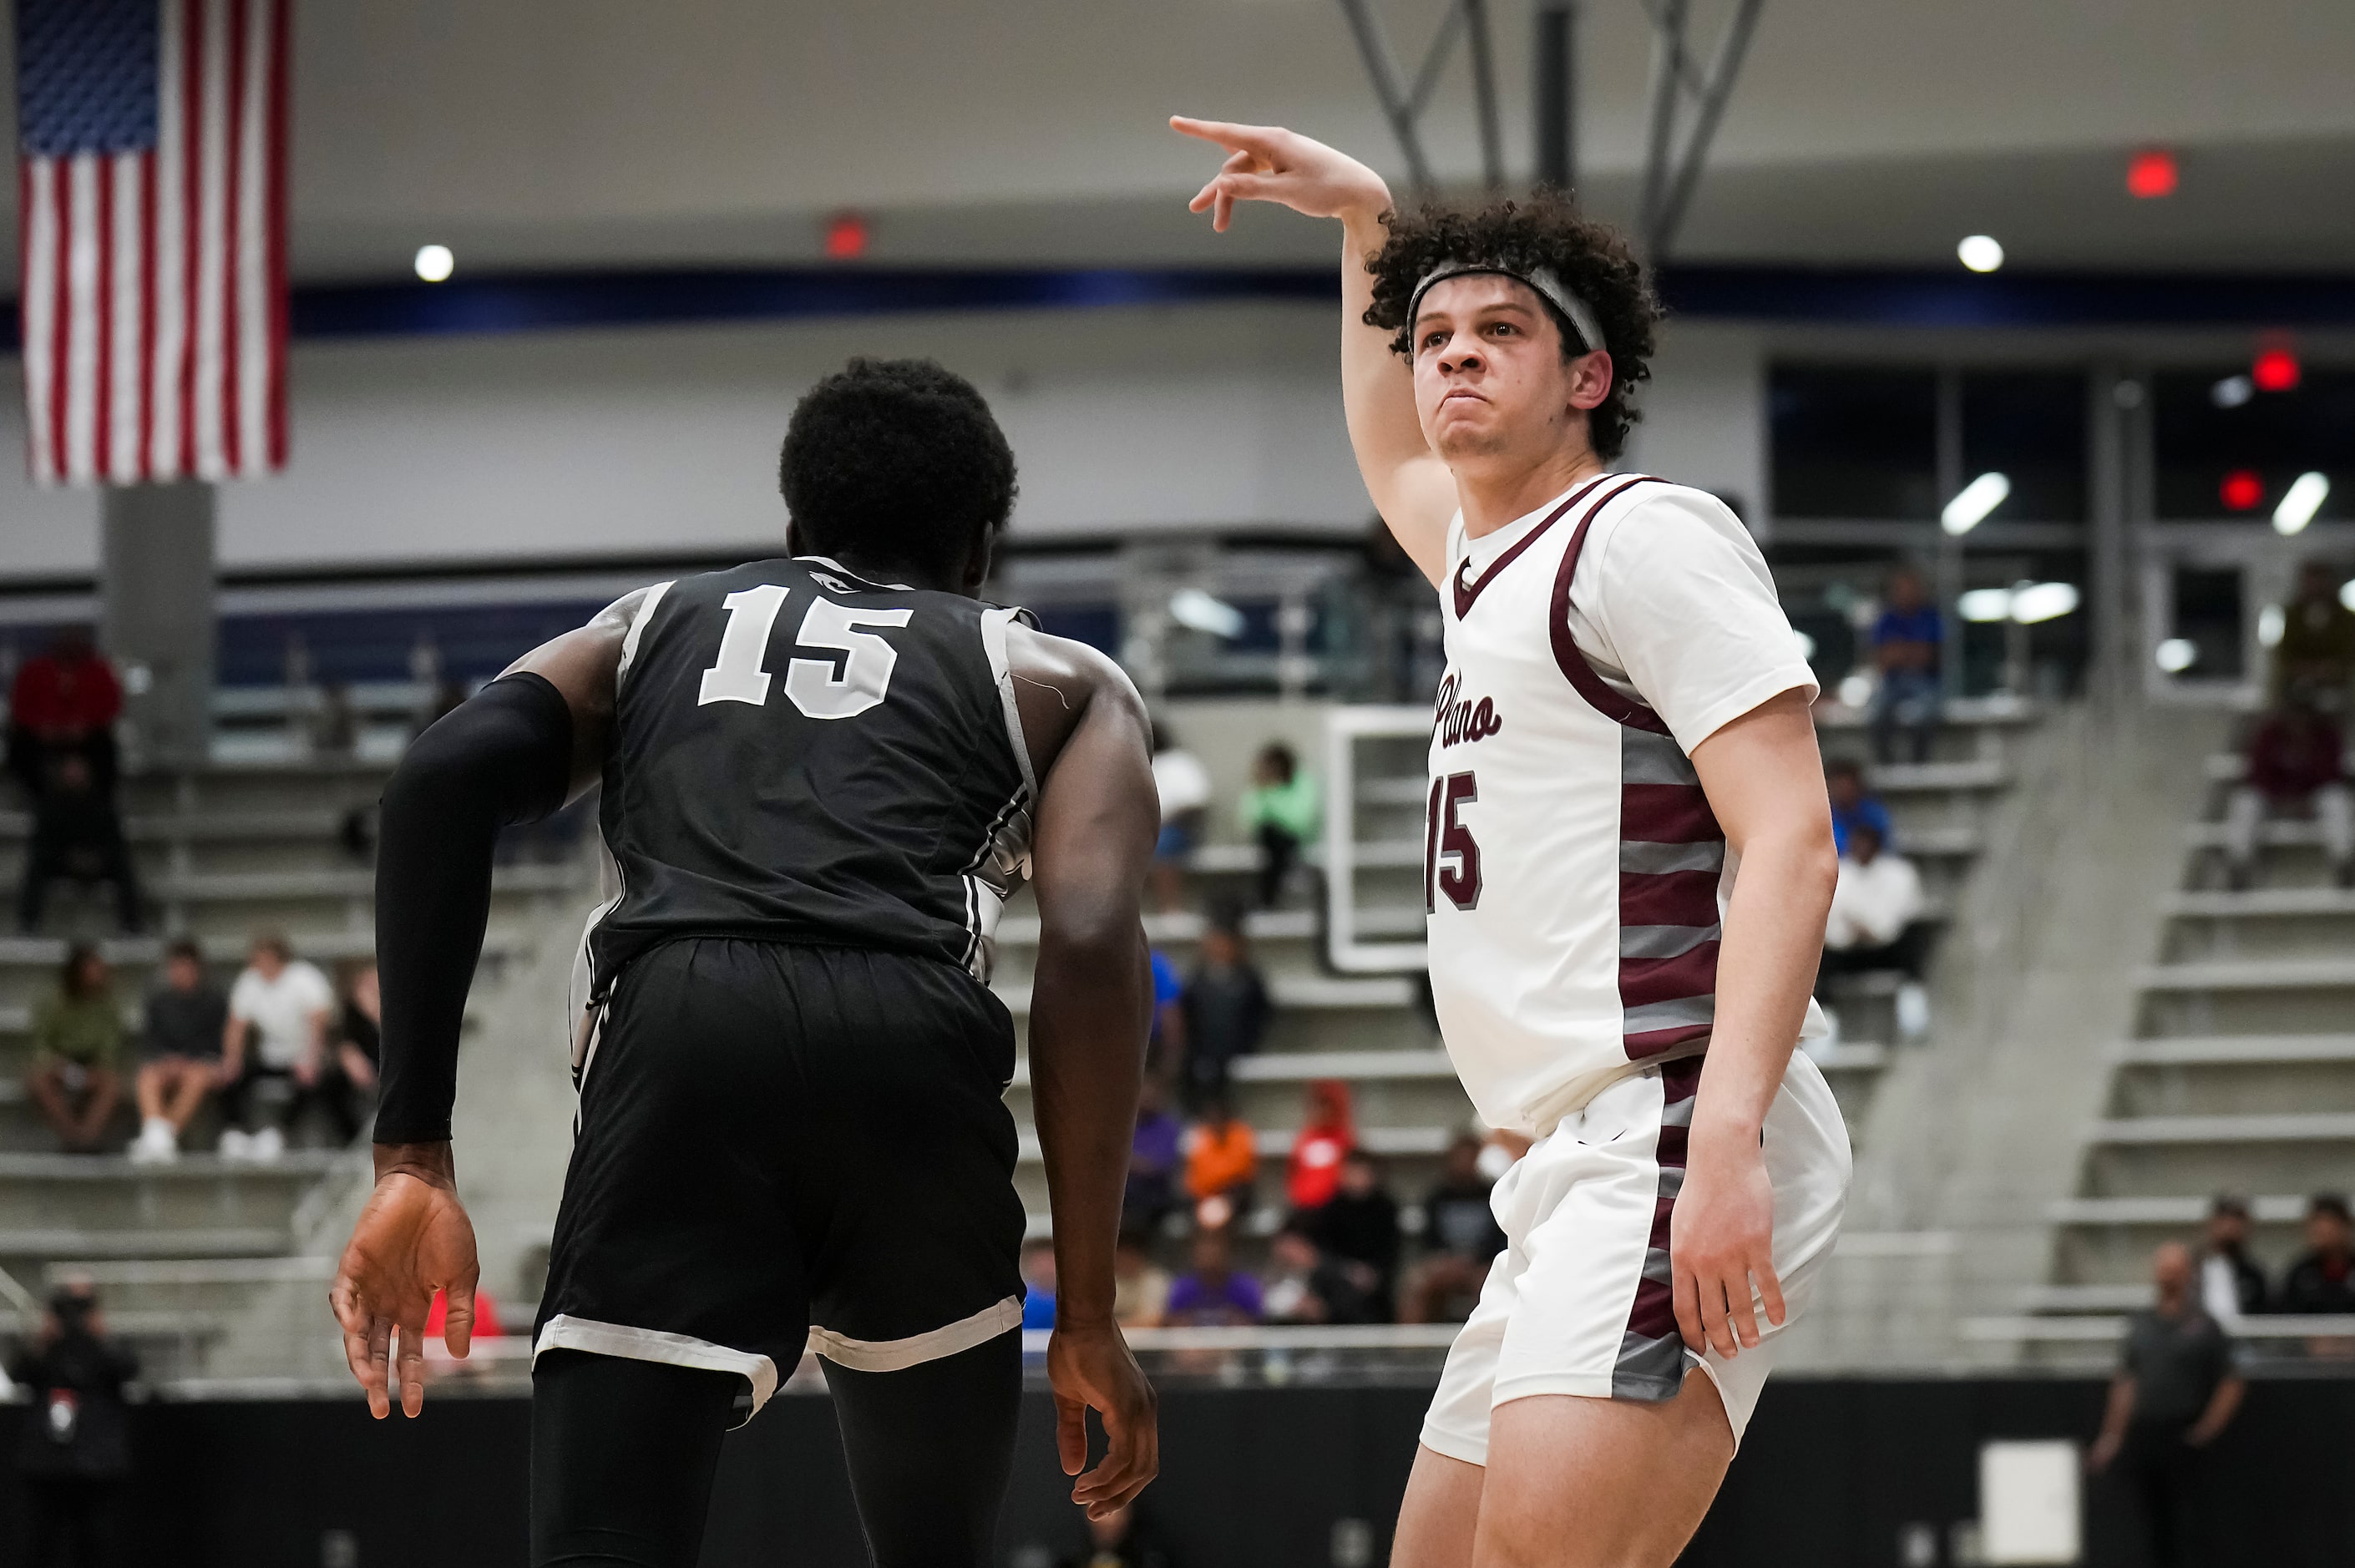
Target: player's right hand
(1091, 1368)
(413, 1238)
(1267, 163)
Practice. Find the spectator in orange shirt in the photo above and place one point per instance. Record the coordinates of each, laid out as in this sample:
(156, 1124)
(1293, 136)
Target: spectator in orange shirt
(1222, 1162)
(1318, 1151)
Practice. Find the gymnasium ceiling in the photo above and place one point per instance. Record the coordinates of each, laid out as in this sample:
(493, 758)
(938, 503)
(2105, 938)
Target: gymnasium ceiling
(560, 134)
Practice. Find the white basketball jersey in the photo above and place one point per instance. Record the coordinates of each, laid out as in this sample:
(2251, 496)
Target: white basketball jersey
(1574, 870)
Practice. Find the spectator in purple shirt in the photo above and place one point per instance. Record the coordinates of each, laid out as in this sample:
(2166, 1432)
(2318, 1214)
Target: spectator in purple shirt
(1155, 1157)
(1214, 1292)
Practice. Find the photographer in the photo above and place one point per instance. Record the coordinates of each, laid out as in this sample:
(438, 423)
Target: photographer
(74, 1452)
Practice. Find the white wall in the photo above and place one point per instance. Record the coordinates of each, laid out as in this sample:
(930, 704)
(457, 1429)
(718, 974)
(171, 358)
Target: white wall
(1705, 413)
(575, 444)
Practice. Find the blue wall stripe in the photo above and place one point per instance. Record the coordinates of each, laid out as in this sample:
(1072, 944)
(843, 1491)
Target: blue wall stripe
(524, 303)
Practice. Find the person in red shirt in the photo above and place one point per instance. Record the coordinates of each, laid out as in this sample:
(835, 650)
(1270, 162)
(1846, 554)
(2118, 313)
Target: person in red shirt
(66, 699)
(1318, 1153)
(2296, 764)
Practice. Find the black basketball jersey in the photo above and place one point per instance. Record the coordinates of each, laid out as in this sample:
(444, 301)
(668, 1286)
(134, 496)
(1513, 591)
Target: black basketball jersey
(801, 754)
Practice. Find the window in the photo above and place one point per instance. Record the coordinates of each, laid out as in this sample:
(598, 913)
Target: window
(2029, 427)
(1854, 441)
(2226, 450)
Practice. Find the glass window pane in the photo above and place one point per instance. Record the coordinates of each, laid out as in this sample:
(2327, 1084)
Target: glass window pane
(2029, 426)
(2207, 614)
(2211, 427)
(1854, 440)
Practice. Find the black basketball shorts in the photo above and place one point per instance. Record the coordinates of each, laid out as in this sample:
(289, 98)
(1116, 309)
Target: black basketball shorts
(783, 1145)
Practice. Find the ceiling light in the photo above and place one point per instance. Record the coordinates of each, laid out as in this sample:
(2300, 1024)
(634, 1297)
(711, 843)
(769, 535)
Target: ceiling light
(2177, 654)
(1980, 253)
(1856, 690)
(2271, 624)
(1972, 504)
(2232, 392)
(2242, 489)
(1191, 607)
(2152, 172)
(1985, 605)
(2032, 602)
(2299, 502)
(2346, 593)
(435, 263)
(2274, 369)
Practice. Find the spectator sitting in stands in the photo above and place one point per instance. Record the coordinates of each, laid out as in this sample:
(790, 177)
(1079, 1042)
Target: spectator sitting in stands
(1140, 1287)
(1281, 811)
(278, 1014)
(186, 1017)
(1039, 1284)
(77, 1043)
(66, 699)
(1154, 1154)
(1222, 1162)
(357, 1036)
(1226, 1009)
(1853, 804)
(1359, 1229)
(2232, 1285)
(2317, 650)
(2322, 1283)
(1117, 1541)
(1905, 643)
(1875, 923)
(1306, 1284)
(73, 1450)
(77, 833)
(1164, 1044)
(1184, 785)
(1317, 1150)
(1460, 1237)
(2296, 764)
(1214, 1291)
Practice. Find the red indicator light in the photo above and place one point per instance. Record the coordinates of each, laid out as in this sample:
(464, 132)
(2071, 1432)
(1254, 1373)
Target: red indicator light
(2152, 172)
(2275, 370)
(2241, 490)
(845, 236)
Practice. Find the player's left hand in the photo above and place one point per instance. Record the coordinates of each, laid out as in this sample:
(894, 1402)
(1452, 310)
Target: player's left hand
(1721, 1240)
(413, 1238)
(1091, 1368)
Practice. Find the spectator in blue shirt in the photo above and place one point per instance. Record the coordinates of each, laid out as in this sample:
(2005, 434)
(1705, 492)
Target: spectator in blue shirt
(1039, 1284)
(1853, 805)
(1905, 647)
(1165, 1047)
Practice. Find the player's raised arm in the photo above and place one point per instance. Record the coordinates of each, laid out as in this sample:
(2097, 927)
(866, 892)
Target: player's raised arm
(1410, 485)
(1090, 1010)
(511, 754)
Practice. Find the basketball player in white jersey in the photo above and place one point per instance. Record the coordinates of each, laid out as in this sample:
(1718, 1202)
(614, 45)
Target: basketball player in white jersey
(1624, 721)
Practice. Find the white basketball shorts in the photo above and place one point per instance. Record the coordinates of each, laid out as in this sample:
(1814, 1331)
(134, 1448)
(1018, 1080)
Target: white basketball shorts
(1579, 1300)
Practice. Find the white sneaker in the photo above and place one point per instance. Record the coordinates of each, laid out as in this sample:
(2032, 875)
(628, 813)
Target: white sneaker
(269, 1144)
(156, 1144)
(1912, 1009)
(237, 1144)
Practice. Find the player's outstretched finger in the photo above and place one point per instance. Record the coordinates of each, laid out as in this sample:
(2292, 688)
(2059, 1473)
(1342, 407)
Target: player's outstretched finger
(458, 1319)
(1770, 1286)
(1685, 1295)
(1072, 1436)
(363, 1346)
(412, 1368)
(1259, 138)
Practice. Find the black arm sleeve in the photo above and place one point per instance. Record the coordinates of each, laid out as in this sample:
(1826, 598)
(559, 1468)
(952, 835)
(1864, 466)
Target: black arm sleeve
(502, 758)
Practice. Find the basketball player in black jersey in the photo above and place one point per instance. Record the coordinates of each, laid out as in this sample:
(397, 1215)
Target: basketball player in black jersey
(823, 778)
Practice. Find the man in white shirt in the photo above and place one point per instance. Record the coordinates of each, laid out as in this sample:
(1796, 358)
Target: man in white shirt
(1875, 923)
(277, 1029)
(1624, 727)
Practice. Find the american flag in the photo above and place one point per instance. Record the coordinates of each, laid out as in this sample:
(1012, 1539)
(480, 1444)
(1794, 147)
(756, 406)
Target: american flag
(152, 212)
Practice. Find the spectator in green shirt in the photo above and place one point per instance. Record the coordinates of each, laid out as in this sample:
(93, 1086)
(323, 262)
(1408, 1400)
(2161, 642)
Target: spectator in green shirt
(1281, 811)
(77, 1038)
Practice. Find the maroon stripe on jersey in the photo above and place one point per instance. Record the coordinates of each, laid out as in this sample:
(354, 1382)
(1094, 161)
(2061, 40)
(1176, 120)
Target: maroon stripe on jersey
(1652, 1357)
(1692, 973)
(1653, 1042)
(1667, 898)
(1467, 590)
(1667, 814)
(1589, 684)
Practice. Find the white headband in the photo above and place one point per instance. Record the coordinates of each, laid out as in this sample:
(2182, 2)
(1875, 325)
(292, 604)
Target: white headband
(1549, 287)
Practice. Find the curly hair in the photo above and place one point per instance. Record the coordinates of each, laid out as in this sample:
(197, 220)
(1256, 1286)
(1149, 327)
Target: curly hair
(899, 461)
(1544, 230)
